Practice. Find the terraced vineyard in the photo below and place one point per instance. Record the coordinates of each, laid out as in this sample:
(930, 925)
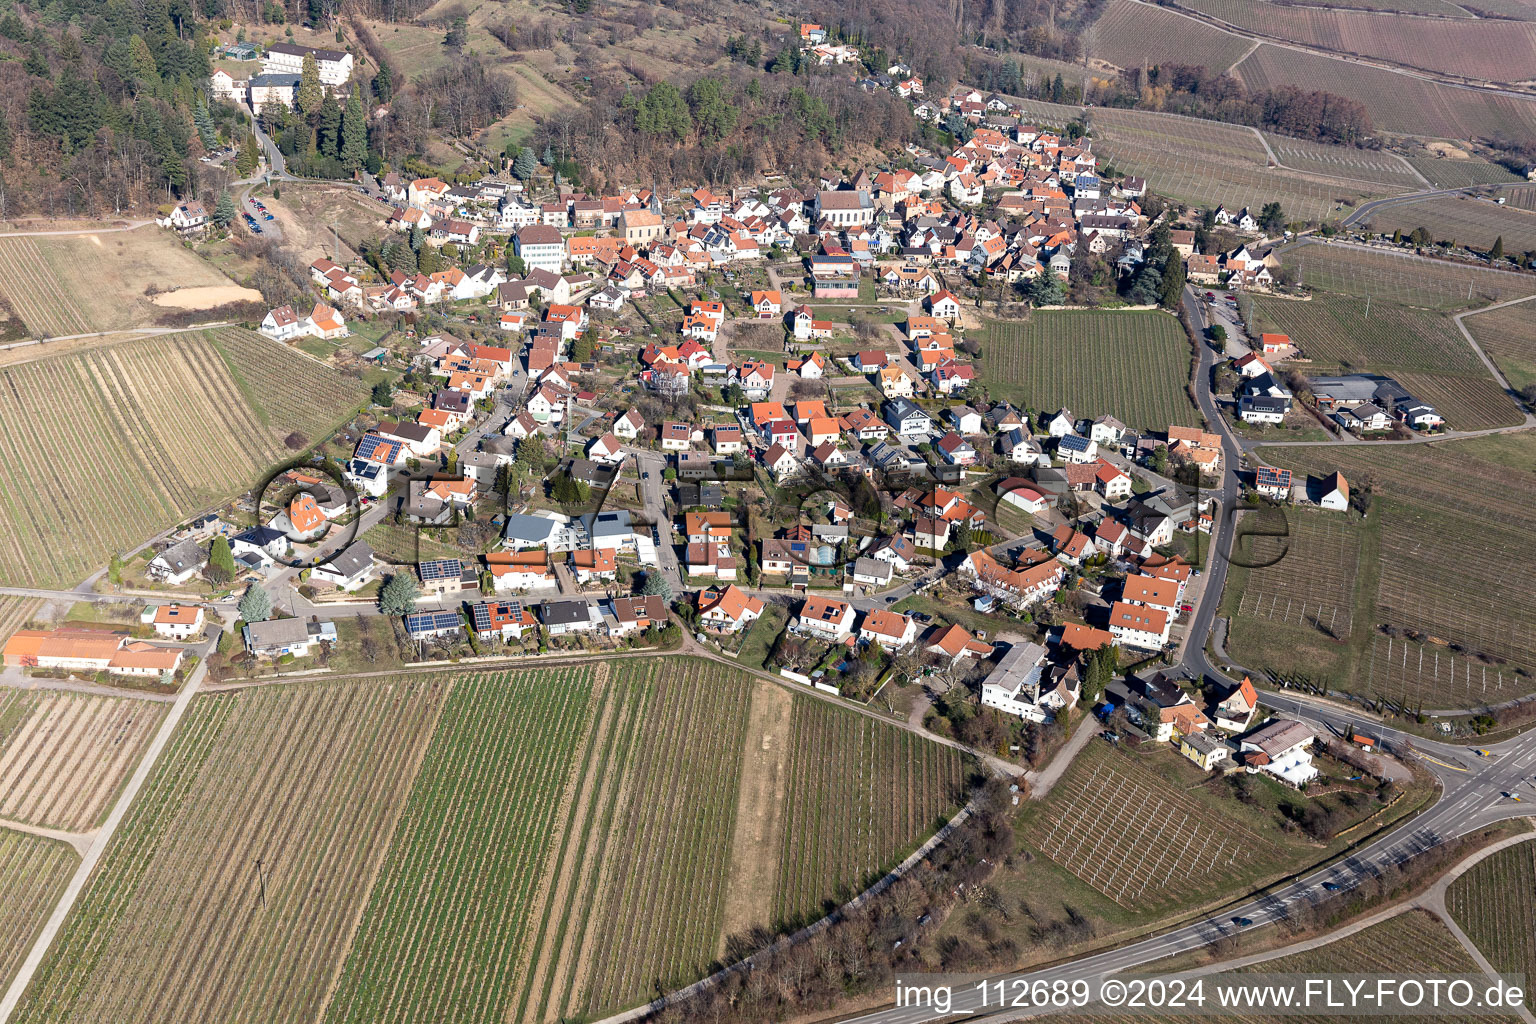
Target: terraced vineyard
(1367, 316)
(1133, 365)
(1468, 221)
(1446, 172)
(1132, 35)
(45, 304)
(103, 447)
(309, 780)
(1377, 167)
(1508, 335)
(1397, 103)
(1132, 835)
(1389, 276)
(1453, 620)
(33, 873)
(539, 845)
(886, 782)
(1495, 904)
(1492, 50)
(15, 612)
(68, 754)
(1208, 164)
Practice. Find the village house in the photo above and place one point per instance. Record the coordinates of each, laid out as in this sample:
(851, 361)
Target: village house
(889, 630)
(825, 618)
(176, 621)
(728, 610)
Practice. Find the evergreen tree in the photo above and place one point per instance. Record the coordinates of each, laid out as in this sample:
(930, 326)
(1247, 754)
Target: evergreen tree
(663, 112)
(224, 211)
(204, 123)
(784, 63)
(255, 605)
(657, 583)
(1272, 218)
(1058, 89)
(249, 158)
(144, 67)
(384, 84)
(418, 237)
(428, 260)
(328, 128)
(1173, 283)
(1497, 252)
(220, 555)
(526, 164)
(713, 113)
(548, 158)
(530, 453)
(354, 133)
(171, 166)
(311, 94)
(398, 595)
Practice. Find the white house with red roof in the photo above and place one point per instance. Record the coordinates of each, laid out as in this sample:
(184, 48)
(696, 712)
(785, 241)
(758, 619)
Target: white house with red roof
(944, 304)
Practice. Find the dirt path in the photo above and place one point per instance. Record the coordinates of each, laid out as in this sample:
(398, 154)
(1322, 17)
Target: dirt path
(759, 818)
(1041, 782)
(81, 841)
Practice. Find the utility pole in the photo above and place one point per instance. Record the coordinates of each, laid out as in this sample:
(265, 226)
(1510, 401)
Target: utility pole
(1367, 307)
(262, 879)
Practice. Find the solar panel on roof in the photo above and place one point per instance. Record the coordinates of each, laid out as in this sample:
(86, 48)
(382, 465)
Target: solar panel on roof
(441, 569)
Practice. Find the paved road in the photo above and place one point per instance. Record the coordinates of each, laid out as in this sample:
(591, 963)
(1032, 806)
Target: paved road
(1474, 785)
(1364, 211)
(103, 836)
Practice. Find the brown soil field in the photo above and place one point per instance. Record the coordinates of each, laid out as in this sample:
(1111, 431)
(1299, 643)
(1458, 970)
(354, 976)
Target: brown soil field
(64, 761)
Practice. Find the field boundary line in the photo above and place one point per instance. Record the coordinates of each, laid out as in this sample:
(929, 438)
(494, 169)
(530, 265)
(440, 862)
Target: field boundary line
(99, 844)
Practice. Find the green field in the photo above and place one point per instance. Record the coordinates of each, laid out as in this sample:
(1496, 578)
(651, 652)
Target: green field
(1421, 349)
(542, 845)
(1130, 364)
(1508, 335)
(1300, 610)
(1495, 904)
(1444, 615)
(133, 437)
